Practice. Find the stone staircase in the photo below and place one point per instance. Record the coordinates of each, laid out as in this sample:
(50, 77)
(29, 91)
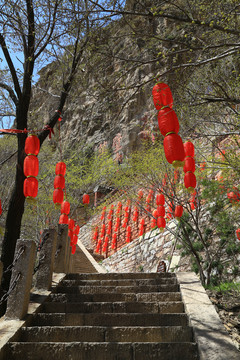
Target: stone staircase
(111, 316)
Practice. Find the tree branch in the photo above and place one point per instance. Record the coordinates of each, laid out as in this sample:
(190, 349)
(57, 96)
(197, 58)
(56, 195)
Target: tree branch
(10, 91)
(10, 66)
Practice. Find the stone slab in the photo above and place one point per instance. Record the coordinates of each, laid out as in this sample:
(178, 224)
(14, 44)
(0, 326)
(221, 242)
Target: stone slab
(214, 343)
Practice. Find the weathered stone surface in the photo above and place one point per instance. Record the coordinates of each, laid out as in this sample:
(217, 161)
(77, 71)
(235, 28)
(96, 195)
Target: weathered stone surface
(46, 258)
(18, 299)
(60, 263)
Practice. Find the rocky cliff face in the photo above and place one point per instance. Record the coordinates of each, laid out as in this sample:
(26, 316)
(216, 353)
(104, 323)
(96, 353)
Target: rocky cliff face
(111, 103)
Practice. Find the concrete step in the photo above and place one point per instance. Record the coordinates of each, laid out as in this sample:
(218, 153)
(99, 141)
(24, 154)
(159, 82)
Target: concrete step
(116, 289)
(113, 307)
(129, 297)
(120, 282)
(109, 319)
(101, 351)
(115, 276)
(106, 334)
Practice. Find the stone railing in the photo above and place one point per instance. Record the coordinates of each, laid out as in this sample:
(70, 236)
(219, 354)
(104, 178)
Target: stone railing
(34, 269)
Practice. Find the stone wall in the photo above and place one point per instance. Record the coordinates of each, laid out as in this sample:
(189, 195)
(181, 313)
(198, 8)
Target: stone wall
(145, 253)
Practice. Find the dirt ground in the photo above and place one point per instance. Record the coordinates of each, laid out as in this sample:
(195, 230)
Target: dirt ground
(228, 307)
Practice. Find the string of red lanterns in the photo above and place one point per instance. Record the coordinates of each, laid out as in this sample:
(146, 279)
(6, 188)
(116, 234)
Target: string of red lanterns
(31, 167)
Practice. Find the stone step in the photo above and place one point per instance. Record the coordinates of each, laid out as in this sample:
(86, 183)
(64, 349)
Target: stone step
(106, 334)
(102, 351)
(117, 289)
(113, 307)
(109, 319)
(121, 282)
(113, 276)
(129, 297)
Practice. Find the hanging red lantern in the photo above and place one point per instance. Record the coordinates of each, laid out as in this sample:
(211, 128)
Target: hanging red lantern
(153, 223)
(190, 181)
(30, 187)
(167, 121)
(73, 249)
(140, 194)
(189, 164)
(160, 199)
(148, 199)
(76, 229)
(86, 199)
(75, 239)
(238, 233)
(188, 148)
(161, 223)
(71, 224)
(162, 96)
(155, 213)
(178, 211)
(30, 166)
(202, 166)
(59, 182)
(60, 168)
(58, 196)
(161, 210)
(65, 207)
(70, 234)
(174, 151)
(63, 219)
(234, 196)
(32, 145)
(142, 221)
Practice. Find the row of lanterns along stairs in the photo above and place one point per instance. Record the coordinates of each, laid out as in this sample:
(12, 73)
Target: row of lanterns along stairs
(108, 316)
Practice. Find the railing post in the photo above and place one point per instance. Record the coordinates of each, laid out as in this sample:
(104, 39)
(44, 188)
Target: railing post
(46, 259)
(68, 255)
(60, 264)
(21, 280)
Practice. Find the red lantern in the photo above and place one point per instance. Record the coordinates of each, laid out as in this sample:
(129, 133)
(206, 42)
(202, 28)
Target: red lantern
(59, 182)
(155, 213)
(153, 223)
(234, 196)
(148, 199)
(140, 194)
(161, 210)
(30, 166)
(189, 164)
(65, 207)
(160, 200)
(238, 233)
(190, 181)
(63, 219)
(178, 211)
(58, 196)
(174, 151)
(75, 239)
(162, 96)
(30, 187)
(86, 199)
(60, 168)
(70, 234)
(168, 121)
(73, 249)
(119, 205)
(161, 223)
(142, 222)
(76, 229)
(189, 148)
(32, 145)
(71, 224)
